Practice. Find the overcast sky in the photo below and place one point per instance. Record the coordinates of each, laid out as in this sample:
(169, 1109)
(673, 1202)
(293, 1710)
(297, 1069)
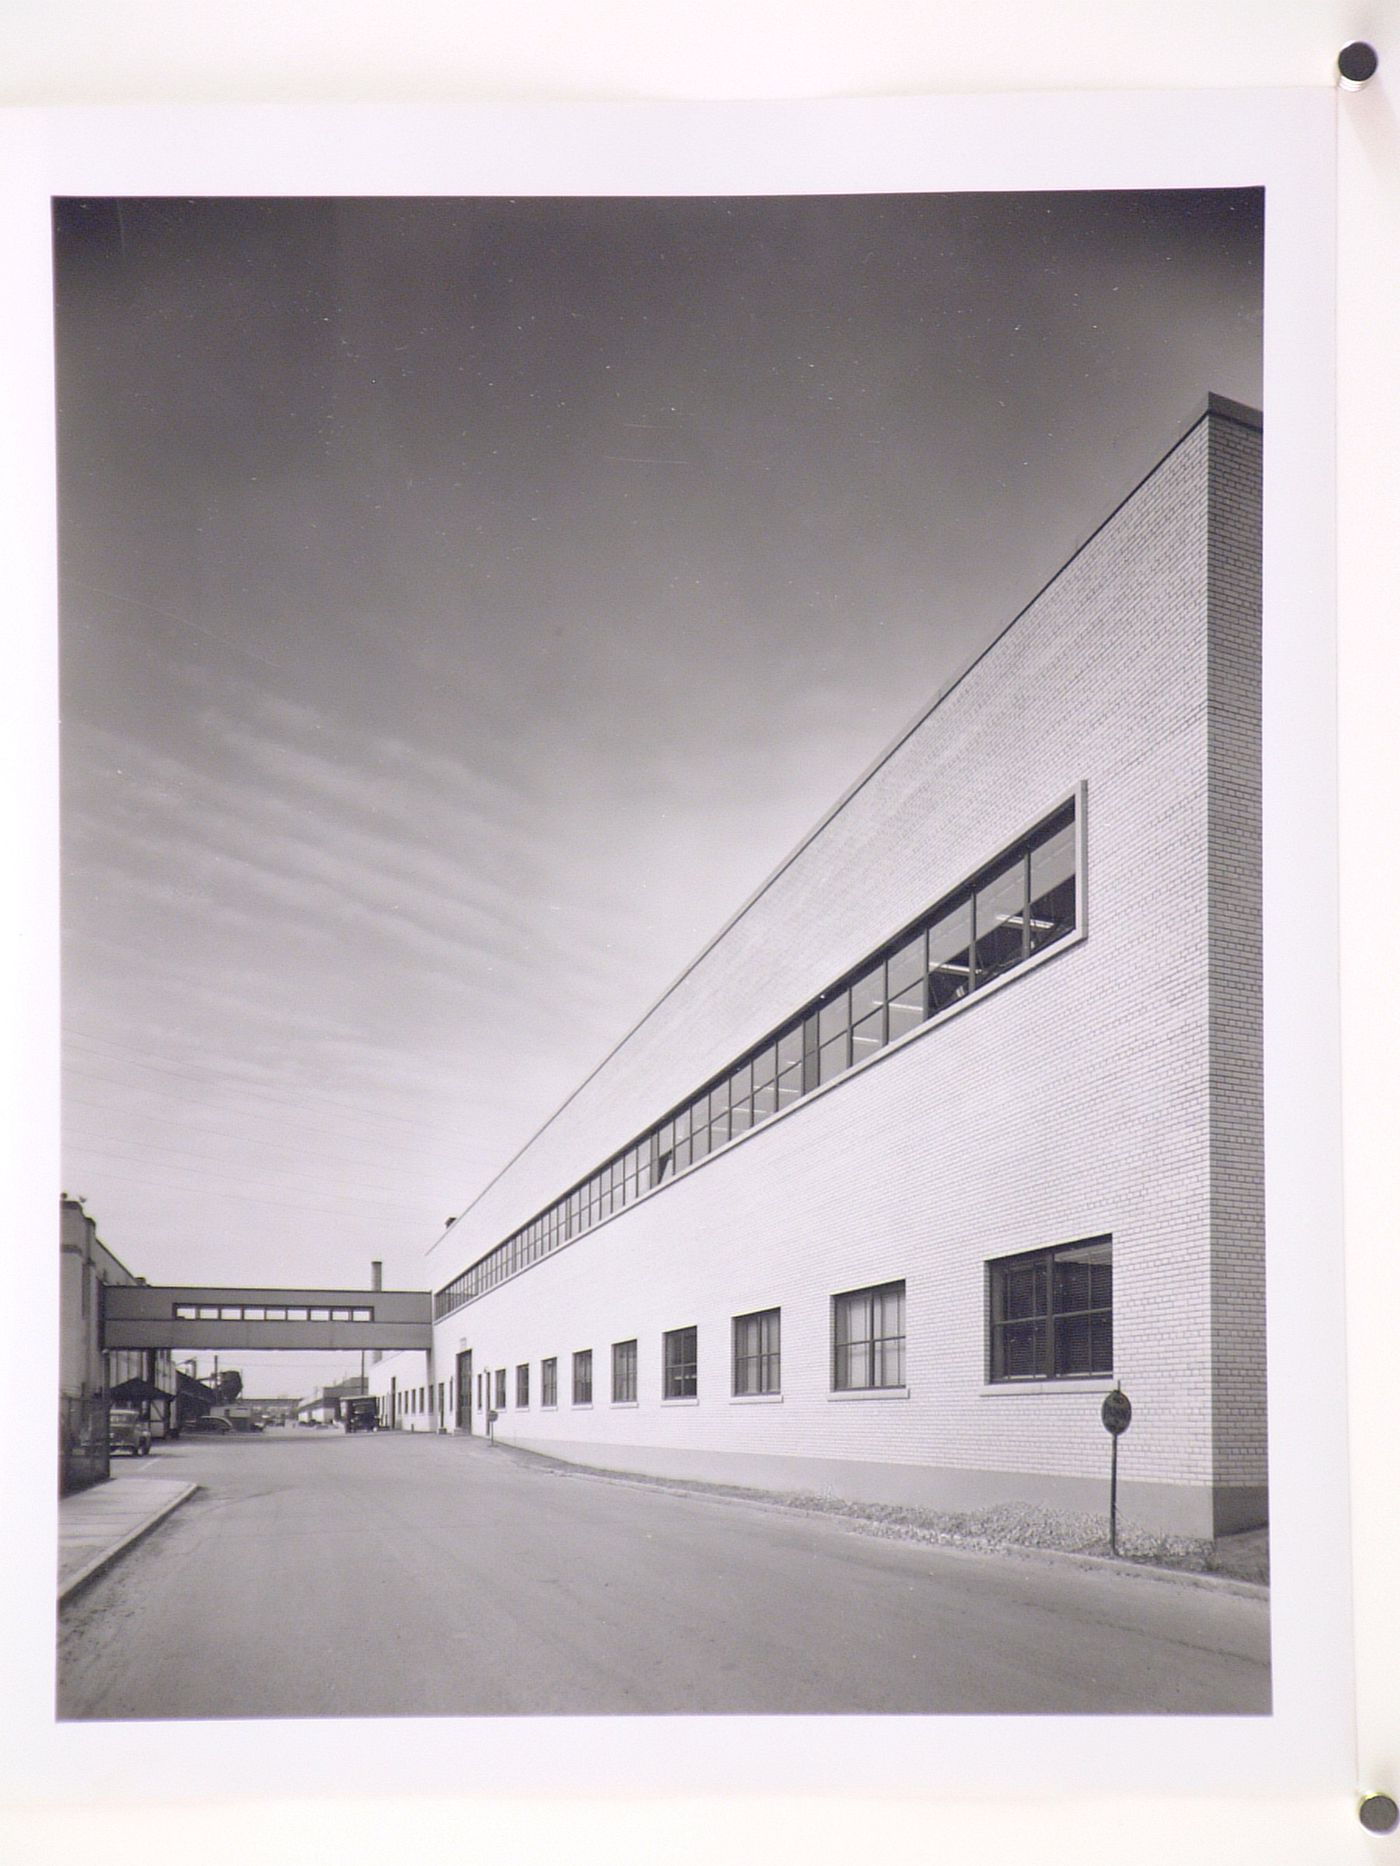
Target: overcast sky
(465, 605)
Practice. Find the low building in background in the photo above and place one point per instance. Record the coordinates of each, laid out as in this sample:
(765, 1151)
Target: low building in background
(958, 1123)
(92, 1379)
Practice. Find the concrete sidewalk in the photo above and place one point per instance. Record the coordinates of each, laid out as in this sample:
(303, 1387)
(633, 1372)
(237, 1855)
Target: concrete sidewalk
(95, 1526)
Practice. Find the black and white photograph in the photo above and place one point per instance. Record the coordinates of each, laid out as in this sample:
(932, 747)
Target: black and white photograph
(663, 962)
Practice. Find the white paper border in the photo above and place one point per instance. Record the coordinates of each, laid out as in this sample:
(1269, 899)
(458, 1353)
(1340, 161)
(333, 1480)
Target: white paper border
(1282, 140)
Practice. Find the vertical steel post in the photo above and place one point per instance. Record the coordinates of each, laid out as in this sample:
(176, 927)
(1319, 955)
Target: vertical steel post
(1113, 1497)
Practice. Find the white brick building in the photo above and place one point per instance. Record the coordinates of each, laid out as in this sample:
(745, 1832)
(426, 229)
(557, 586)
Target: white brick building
(938, 1209)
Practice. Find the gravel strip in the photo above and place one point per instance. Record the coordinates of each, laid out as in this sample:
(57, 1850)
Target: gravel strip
(1005, 1526)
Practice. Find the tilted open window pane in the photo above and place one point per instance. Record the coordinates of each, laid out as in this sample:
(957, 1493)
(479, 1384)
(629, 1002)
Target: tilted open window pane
(1052, 885)
(1001, 920)
(949, 943)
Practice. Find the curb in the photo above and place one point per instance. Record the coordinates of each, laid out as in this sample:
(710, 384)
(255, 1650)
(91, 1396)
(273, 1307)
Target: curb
(91, 1569)
(772, 1500)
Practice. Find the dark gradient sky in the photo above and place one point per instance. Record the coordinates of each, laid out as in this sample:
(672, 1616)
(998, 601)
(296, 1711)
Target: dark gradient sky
(466, 603)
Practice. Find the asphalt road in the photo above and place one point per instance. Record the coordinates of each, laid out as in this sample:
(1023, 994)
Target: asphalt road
(316, 1575)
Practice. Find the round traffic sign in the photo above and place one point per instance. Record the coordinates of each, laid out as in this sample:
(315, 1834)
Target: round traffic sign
(1116, 1412)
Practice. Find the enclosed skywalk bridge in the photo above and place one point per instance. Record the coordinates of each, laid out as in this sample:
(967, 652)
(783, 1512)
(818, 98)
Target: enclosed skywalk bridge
(191, 1318)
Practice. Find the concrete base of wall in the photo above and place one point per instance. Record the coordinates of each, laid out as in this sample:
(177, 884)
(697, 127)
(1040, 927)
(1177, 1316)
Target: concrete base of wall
(1169, 1509)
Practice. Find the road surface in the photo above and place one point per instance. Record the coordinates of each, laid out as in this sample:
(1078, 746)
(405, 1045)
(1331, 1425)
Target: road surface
(317, 1575)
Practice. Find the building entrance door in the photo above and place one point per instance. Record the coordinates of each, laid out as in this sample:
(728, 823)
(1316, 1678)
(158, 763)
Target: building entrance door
(464, 1391)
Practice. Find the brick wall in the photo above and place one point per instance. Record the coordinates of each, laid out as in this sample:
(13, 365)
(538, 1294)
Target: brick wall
(1088, 1095)
(1236, 976)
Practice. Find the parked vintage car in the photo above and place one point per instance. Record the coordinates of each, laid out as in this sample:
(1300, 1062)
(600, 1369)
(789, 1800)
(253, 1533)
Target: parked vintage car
(128, 1431)
(212, 1422)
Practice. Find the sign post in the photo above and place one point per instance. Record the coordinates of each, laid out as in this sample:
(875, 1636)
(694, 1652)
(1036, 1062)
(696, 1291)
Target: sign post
(1116, 1413)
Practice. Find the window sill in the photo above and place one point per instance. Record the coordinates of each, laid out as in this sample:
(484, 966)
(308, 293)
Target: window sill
(583, 1406)
(682, 1399)
(868, 1393)
(624, 1405)
(1062, 1383)
(546, 1407)
(755, 1399)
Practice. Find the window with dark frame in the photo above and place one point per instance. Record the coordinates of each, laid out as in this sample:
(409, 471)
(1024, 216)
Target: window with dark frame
(867, 1339)
(1051, 1312)
(549, 1382)
(624, 1371)
(522, 1384)
(500, 1389)
(678, 1365)
(1020, 903)
(758, 1352)
(583, 1377)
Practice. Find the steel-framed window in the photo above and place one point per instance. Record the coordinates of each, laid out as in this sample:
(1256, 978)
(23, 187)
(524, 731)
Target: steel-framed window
(678, 1363)
(522, 1384)
(758, 1352)
(500, 1389)
(624, 1371)
(867, 1338)
(549, 1382)
(583, 1377)
(1051, 1312)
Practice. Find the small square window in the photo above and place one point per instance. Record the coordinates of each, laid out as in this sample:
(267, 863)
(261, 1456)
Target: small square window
(1051, 1312)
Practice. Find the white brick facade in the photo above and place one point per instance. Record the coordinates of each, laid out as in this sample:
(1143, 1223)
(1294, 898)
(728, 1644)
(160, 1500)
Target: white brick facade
(1114, 1088)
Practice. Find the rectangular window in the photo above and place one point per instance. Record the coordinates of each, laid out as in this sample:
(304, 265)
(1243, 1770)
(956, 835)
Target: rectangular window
(868, 1339)
(583, 1377)
(949, 956)
(757, 1352)
(500, 1389)
(1052, 882)
(549, 1383)
(624, 1371)
(1052, 1312)
(834, 1036)
(678, 1364)
(522, 1384)
(1000, 909)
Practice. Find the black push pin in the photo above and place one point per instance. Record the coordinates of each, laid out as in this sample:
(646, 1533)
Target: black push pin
(1356, 64)
(1379, 1814)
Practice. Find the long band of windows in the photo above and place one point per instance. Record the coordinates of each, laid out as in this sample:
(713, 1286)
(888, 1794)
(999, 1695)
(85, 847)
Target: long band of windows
(259, 1312)
(1018, 905)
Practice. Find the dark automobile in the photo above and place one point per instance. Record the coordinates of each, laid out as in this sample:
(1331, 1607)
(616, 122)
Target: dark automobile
(128, 1431)
(212, 1422)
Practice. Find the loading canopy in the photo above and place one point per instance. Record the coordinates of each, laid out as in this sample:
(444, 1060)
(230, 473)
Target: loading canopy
(176, 1316)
